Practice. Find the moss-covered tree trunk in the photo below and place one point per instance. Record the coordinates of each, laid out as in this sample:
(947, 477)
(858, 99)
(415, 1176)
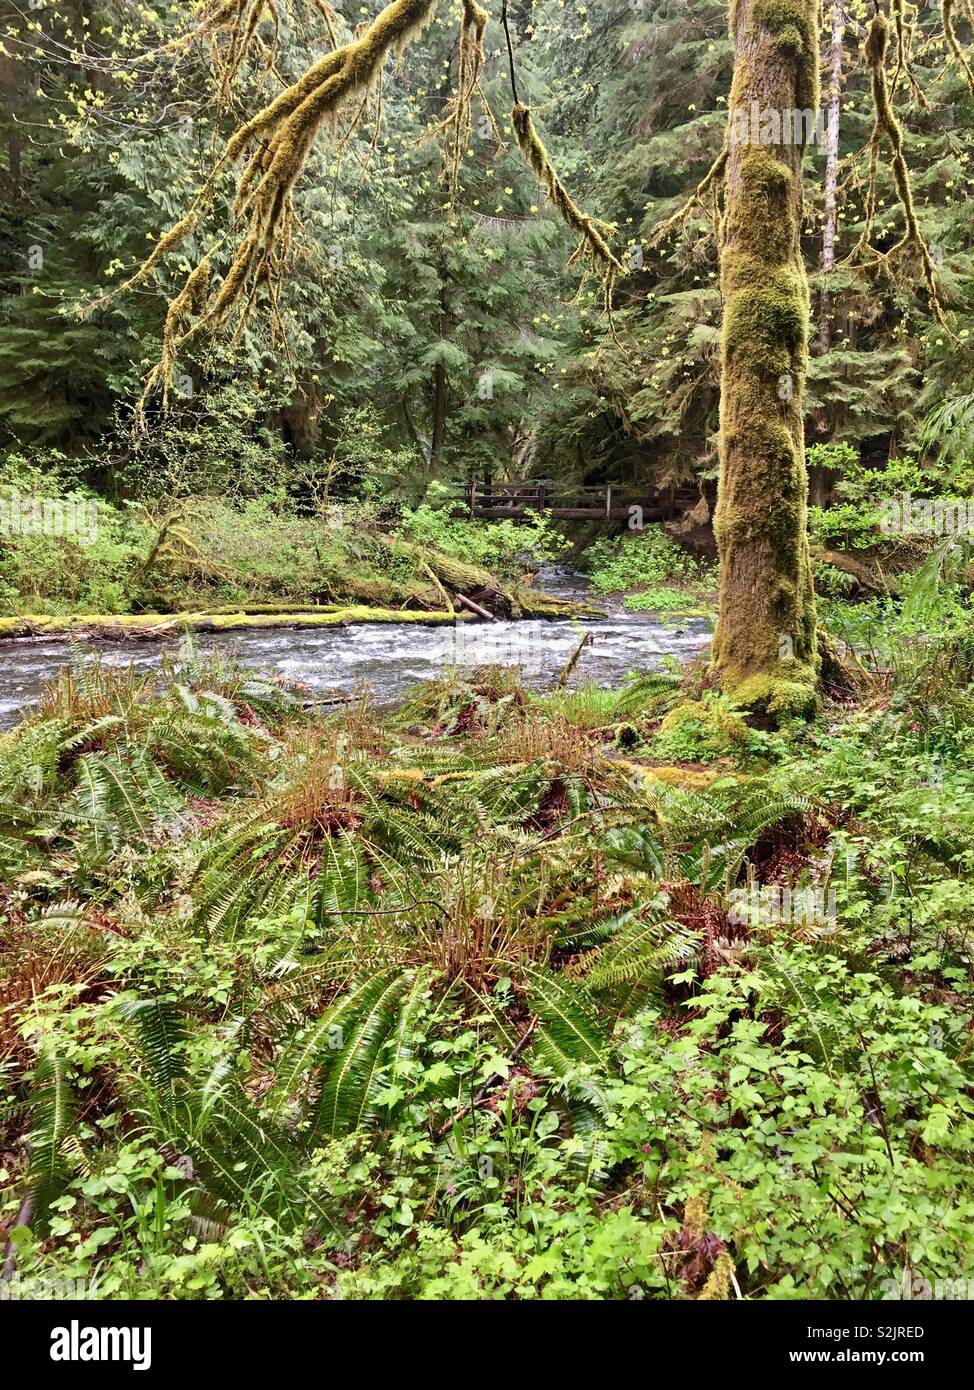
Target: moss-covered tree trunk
(765, 644)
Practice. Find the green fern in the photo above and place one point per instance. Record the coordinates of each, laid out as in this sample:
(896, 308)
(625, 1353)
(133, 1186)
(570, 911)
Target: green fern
(52, 1163)
(355, 1074)
(645, 944)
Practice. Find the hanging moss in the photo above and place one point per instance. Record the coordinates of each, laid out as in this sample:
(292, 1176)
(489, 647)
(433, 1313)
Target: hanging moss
(950, 33)
(275, 143)
(278, 140)
(886, 125)
(590, 229)
(458, 121)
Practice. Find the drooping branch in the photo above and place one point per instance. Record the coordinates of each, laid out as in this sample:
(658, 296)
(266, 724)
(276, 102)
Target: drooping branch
(594, 233)
(278, 140)
(274, 145)
(709, 182)
(886, 125)
(950, 34)
(905, 32)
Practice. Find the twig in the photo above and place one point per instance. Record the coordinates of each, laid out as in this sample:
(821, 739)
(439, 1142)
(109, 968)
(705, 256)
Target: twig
(573, 661)
(475, 608)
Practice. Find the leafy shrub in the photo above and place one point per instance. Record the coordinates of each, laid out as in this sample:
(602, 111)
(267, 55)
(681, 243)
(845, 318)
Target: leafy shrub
(855, 520)
(658, 600)
(87, 568)
(503, 547)
(649, 559)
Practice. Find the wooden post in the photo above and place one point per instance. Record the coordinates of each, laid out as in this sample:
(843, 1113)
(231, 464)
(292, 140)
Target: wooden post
(473, 500)
(608, 499)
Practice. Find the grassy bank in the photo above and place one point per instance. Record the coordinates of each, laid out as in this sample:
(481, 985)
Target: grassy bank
(201, 553)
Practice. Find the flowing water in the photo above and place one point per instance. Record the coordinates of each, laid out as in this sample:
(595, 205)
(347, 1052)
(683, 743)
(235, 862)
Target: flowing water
(389, 658)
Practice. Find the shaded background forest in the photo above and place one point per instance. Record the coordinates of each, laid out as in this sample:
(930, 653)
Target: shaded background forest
(429, 340)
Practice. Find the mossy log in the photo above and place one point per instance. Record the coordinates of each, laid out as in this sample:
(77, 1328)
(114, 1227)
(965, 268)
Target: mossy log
(870, 578)
(384, 593)
(529, 603)
(485, 589)
(456, 573)
(121, 627)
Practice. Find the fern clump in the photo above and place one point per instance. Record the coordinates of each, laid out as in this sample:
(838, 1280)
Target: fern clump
(327, 983)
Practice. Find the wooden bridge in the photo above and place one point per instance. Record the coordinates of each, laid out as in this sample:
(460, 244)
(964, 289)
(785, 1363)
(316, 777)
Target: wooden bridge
(606, 500)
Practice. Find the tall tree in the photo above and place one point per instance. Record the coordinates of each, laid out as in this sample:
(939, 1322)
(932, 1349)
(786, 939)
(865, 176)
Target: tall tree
(765, 643)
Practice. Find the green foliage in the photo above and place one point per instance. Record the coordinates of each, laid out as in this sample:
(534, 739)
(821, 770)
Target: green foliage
(658, 600)
(855, 521)
(460, 1004)
(87, 565)
(503, 547)
(401, 1010)
(643, 561)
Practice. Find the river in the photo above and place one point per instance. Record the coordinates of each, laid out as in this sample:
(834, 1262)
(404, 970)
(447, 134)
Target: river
(389, 658)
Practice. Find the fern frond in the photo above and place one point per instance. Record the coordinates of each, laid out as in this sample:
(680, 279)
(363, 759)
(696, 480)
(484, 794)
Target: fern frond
(51, 1162)
(353, 1077)
(569, 1031)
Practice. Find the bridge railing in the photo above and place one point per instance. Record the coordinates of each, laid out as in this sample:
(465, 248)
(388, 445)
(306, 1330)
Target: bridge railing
(601, 498)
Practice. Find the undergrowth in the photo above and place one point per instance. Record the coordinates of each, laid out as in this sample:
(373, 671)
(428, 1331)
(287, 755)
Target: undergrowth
(506, 997)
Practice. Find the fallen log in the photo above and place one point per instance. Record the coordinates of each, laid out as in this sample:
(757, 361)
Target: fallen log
(121, 627)
(475, 608)
(529, 603)
(872, 580)
(484, 588)
(456, 573)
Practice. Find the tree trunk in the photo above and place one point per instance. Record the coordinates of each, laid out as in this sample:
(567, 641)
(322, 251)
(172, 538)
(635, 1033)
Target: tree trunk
(439, 417)
(438, 436)
(831, 176)
(765, 645)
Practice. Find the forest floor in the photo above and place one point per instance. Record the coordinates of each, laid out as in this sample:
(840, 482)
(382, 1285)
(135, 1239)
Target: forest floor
(592, 994)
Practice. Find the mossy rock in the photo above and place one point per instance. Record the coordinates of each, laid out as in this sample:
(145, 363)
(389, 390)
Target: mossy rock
(717, 728)
(777, 697)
